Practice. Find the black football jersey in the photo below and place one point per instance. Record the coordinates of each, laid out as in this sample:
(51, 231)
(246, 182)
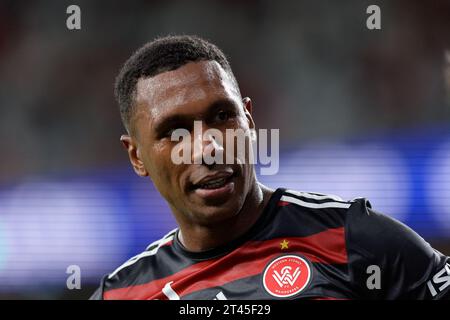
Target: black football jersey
(304, 246)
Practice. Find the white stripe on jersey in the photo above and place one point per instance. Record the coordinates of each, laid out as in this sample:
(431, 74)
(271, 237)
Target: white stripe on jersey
(162, 239)
(315, 205)
(144, 254)
(315, 196)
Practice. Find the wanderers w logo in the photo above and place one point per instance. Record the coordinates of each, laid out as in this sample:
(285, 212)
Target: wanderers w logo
(286, 277)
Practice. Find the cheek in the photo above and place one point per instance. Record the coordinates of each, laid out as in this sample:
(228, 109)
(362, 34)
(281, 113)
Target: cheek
(160, 152)
(238, 146)
(163, 171)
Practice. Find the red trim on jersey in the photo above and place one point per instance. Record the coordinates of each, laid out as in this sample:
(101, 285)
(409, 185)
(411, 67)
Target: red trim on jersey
(248, 260)
(283, 203)
(167, 244)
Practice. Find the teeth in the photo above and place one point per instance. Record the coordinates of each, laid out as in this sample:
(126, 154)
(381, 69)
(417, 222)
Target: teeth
(214, 184)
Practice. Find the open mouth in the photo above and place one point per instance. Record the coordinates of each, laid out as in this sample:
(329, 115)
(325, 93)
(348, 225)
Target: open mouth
(213, 184)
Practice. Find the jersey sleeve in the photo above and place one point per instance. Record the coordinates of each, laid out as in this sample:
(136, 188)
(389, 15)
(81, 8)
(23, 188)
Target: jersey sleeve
(98, 294)
(388, 260)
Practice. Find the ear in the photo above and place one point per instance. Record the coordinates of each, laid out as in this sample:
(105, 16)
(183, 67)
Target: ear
(134, 155)
(248, 112)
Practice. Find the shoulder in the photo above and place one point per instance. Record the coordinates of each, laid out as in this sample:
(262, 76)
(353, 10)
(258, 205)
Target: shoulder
(314, 207)
(312, 214)
(370, 233)
(380, 234)
(133, 265)
(404, 260)
(314, 200)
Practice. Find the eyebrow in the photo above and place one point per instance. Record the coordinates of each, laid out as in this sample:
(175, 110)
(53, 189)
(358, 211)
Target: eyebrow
(175, 120)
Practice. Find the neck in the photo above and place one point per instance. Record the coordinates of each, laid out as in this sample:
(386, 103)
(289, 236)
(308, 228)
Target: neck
(199, 238)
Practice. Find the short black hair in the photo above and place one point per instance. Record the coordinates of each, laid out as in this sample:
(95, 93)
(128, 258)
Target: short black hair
(158, 56)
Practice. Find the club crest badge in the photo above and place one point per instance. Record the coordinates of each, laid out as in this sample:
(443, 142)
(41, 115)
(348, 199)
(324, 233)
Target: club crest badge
(286, 276)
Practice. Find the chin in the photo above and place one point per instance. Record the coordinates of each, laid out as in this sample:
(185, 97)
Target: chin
(208, 215)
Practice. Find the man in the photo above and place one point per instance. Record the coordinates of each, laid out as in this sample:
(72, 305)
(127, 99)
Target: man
(238, 239)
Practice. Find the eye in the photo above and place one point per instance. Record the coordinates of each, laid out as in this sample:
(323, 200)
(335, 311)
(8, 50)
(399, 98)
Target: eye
(168, 133)
(223, 116)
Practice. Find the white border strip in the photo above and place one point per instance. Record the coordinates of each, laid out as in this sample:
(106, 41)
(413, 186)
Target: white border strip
(316, 205)
(158, 241)
(315, 196)
(144, 254)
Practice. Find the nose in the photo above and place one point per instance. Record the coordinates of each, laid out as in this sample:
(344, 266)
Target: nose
(208, 147)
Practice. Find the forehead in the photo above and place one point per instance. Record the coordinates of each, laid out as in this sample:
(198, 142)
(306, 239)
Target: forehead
(184, 90)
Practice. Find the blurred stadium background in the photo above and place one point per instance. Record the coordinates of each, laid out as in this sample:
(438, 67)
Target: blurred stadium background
(361, 113)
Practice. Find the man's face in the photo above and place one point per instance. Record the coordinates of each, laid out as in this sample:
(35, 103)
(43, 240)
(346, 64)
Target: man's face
(198, 91)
